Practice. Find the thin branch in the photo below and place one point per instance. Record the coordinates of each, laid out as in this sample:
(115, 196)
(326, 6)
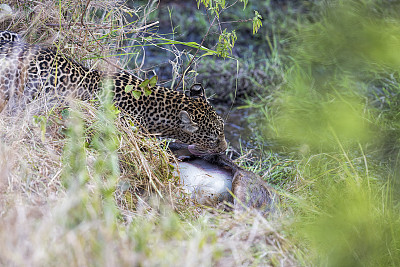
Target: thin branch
(98, 26)
(97, 41)
(194, 56)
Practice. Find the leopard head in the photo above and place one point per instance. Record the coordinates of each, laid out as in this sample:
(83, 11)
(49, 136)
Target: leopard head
(188, 118)
(200, 126)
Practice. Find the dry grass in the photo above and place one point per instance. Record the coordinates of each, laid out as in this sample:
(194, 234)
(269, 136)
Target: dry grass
(85, 30)
(38, 214)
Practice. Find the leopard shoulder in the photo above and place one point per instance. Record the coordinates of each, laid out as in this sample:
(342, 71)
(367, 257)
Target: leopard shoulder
(27, 71)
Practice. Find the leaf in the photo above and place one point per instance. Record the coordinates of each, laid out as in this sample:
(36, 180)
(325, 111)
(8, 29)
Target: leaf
(115, 110)
(153, 81)
(136, 94)
(209, 54)
(144, 84)
(147, 91)
(244, 3)
(128, 88)
(225, 43)
(256, 22)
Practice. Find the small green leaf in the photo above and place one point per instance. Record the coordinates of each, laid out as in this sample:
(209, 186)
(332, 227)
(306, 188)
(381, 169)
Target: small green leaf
(115, 110)
(128, 88)
(244, 3)
(225, 43)
(144, 84)
(153, 81)
(136, 94)
(147, 91)
(209, 54)
(256, 22)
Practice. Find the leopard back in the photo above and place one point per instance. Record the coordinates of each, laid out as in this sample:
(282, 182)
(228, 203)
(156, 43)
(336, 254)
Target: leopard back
(28, 71)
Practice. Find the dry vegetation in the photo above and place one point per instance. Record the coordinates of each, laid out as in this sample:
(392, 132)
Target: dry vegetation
(80, 187)
(47, 219)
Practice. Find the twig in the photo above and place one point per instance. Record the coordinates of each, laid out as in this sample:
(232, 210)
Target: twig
(102, 27)
(194, 56)
(97, 41)
(236, 21)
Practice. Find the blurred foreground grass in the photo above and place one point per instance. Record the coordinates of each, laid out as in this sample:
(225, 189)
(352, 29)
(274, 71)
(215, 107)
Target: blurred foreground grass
(338, 112)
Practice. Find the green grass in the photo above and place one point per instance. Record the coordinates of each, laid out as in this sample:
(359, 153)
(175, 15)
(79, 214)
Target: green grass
(337, 114)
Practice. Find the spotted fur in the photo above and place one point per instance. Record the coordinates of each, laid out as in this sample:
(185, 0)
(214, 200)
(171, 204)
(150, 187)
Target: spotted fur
(27, 71)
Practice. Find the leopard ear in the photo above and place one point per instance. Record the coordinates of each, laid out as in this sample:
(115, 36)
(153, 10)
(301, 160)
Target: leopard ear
(197, 90)
(188, 126)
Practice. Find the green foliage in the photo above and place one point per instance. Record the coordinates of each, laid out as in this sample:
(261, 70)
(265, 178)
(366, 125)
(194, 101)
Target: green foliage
(146, 86)
(256, 22)
(216, 5)
(213, 5)
(245, 2)
(225, 43)
(319, 119)
(75, 172)
(153, 81)
(136, 94)
(129, 88)
(348, 218)
(106, 167)
(335, 59)
(335, 109)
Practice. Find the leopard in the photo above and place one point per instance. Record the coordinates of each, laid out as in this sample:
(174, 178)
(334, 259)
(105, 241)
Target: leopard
(28, 71)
